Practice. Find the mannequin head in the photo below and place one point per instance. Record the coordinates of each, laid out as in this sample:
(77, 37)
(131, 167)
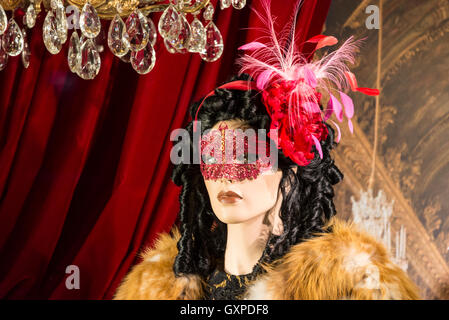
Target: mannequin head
(302, 194)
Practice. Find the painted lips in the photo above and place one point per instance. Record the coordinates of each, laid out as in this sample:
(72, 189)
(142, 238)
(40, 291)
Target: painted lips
(228, 197)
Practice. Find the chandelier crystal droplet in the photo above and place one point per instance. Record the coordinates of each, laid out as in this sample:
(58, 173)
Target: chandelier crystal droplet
(61, 23)
(180, 40)
(118, 40)
(26, 52)
(3, 56)
(50, 34)
(138, 30)
(197, 37)
(12, 39)
(168, 21)
(238, 4)
(74, 54)
(3, 20)
(214, 44)
(143, 60)
(30, 16)
(208, 13)
(224, 4)
(90, 61)
(89, 21)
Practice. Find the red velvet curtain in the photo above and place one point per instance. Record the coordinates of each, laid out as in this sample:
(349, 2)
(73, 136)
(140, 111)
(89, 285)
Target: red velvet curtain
(84, 165)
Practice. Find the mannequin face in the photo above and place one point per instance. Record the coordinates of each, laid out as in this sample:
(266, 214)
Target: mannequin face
(239, 201)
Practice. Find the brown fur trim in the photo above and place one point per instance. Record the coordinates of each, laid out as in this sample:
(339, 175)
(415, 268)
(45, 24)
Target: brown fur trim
(154, 279)
(343, 264)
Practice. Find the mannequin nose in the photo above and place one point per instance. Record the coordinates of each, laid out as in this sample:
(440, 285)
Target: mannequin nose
(226, 180)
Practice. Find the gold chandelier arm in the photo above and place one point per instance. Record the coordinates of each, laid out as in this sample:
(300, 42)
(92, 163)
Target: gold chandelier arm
(107, 9)
(187, 9)
(10, 4)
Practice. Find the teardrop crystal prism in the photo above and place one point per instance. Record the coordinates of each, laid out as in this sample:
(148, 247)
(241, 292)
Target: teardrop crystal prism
(3, 20)
(224, 4)
(208, 13)
(50, 34)
(89, 21)
(238, 4)
(214, 43)
(169, 46)
(74, 55)
(30, 16)
(26, 53)
(143, 61)
(138, 30)
(118, 40)
(55, 4)
(168, 21)
(3, 56)
(152, 31)
(61, 23)
(90, 61)
(12, 39)
(197, 37)
(182, 38)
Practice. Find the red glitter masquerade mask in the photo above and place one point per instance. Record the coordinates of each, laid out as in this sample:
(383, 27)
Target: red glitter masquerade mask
(291, 87)
(226, 154)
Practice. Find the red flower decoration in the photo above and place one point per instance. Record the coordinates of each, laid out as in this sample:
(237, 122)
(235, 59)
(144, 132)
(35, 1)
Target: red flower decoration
(296, 142)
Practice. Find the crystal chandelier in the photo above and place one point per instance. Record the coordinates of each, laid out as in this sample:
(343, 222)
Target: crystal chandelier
(374, 214)
(131, 36)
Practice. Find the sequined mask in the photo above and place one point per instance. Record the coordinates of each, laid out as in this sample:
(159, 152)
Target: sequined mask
(227, 154)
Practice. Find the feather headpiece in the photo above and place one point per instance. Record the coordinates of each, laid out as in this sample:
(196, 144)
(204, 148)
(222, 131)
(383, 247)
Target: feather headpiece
(291, 86)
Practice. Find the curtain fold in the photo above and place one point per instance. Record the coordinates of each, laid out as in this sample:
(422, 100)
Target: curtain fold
(85, 165)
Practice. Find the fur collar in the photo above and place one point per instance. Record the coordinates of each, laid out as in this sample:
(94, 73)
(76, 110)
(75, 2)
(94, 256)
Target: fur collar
(346, 263)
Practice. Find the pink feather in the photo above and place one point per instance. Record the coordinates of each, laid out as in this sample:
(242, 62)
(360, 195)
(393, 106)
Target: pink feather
(351, 126)
(349, 105)
(338, 131)
(309, 77)
(311, 107)
(252, 46)
(263, 78)
(329, 110)
(330, 69)
(317, 145)
(336, 106)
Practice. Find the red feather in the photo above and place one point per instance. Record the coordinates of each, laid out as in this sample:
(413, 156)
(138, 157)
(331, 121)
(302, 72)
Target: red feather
(352, 80)
(316, 39)
(369, 91)
(323, 41)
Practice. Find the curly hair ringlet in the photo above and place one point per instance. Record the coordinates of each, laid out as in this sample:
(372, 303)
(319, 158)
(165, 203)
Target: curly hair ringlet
(307, 192)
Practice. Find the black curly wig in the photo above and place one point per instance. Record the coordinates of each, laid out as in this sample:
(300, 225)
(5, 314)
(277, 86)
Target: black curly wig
(307, 192)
